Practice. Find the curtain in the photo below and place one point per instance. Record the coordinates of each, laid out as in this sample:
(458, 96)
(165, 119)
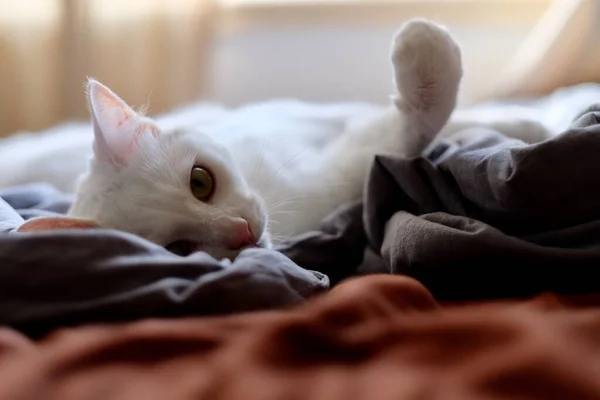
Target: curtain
(159, 52)
(562, 49)
(149, 51)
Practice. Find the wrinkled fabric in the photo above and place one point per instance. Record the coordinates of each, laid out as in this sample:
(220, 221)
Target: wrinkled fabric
(70, 277)
(481, 216)
(378, 337)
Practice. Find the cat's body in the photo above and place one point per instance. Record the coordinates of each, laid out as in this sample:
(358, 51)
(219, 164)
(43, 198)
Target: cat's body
(139, 177)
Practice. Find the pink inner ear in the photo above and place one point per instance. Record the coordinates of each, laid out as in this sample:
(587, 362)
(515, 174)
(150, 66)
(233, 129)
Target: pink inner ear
(109, 100)
(54, 223)
(117, 127)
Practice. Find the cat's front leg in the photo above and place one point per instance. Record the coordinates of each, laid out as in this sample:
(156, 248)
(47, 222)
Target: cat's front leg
(427, 72)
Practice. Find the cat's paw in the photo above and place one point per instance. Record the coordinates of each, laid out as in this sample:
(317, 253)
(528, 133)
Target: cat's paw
(427, 65)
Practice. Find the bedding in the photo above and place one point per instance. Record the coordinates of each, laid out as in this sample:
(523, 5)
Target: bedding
(460, 249)
(59, 278)
(479, 217)
(376, 337)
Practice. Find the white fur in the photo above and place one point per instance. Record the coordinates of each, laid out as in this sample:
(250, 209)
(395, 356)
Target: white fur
(138, 180)
(281, 186)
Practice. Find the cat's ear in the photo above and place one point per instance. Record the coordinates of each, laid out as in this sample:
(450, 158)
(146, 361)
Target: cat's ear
(117, 127)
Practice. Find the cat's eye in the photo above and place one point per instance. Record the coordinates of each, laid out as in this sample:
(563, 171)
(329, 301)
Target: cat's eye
(202, 183)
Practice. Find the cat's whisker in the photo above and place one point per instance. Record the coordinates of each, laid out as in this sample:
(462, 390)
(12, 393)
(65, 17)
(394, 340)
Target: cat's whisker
(285, 164)
(143, 109)
(278, 171)
(274, 212)
(278, 239)
(281, 238)
(299, 196)
(268, 197)
(283, 213)
(260, 160)
(286, 199)
(283, 202)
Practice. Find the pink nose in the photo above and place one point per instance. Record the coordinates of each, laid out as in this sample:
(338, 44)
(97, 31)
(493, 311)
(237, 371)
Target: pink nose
(240, 237)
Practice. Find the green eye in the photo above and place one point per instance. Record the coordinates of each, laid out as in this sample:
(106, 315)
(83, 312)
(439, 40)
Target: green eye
(202, 183)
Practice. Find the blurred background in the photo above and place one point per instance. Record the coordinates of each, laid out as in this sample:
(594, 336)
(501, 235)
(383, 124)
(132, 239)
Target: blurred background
(168, 53)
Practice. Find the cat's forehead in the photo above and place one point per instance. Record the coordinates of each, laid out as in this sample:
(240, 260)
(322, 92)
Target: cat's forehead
(194, 141)
(164, 167)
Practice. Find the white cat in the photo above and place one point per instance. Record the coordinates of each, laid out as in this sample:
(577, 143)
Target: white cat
(184, 190)
(188, 191)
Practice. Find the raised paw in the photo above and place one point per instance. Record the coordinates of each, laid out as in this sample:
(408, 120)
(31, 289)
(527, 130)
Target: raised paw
(427, 70)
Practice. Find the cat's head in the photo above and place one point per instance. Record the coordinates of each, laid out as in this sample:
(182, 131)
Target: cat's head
(177, 188)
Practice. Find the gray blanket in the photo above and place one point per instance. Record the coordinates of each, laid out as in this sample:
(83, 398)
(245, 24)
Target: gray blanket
(484, 218)
(487, 217)
(53, 279)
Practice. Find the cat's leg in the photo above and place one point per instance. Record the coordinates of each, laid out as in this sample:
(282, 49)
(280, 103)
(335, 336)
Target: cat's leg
(427, 71)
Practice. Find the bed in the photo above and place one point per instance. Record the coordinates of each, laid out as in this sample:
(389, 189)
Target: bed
(469, 272)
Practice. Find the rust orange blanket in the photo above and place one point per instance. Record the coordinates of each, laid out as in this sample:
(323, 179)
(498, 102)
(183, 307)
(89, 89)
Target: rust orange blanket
(378, 337)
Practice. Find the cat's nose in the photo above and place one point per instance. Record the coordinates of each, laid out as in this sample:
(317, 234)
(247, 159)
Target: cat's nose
(241, 236)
